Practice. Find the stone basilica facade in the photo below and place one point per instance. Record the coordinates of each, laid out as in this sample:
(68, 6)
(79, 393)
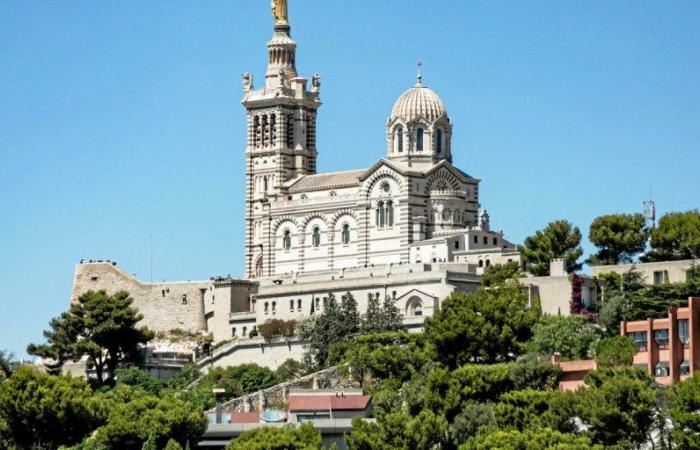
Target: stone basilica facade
(408, 228)
(299, 221)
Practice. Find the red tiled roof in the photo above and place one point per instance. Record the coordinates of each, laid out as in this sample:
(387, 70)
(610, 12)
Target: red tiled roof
(328, 402)
(245, 417)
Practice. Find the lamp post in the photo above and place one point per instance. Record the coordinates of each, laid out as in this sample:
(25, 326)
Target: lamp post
(218, 393)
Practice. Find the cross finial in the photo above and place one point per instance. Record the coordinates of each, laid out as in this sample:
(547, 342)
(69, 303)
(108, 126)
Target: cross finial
(419, 77)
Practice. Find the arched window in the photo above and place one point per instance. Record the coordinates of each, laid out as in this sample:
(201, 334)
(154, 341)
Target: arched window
(267, 307)
(316, 237)
(274, 307)
(389, 213)
(438, 141)
(265, 131)
(398, 136)
(299, 304)
(287, 240)
(380, 214)
(256, 131)
(414, 308)
(488, 262)
(264, 184)
(273, 129)
(290, 131)
(259, 267)
(419, 140)
(345, 235)
(481, 263)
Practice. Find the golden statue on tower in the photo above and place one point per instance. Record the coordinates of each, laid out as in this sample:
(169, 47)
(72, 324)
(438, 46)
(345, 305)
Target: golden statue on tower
(279, 11)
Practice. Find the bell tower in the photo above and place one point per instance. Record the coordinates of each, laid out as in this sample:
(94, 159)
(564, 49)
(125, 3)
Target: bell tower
(281, 136)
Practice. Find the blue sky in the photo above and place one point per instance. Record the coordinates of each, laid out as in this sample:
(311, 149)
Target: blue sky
(122, 120)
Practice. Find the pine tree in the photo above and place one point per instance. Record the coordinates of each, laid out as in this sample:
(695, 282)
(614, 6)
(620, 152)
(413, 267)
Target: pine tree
(391, 319)
(150, 443)
(372, 319)
(350, 317)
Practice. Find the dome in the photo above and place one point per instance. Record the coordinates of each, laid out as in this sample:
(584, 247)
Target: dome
(419, 101)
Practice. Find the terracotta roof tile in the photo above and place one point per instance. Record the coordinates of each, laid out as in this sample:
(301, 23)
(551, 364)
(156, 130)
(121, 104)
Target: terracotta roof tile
(328, 402)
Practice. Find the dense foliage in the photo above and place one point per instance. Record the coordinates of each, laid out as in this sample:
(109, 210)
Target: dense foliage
(618, 237)
(99, 326)
(304, 437)
(677, 236)
(487, 326)
(572, 337)
(559, 239)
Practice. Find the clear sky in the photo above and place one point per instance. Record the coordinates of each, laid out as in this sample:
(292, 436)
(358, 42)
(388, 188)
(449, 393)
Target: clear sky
(121, 120)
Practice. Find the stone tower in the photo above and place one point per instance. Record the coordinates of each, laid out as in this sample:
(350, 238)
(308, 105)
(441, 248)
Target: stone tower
(281, 139)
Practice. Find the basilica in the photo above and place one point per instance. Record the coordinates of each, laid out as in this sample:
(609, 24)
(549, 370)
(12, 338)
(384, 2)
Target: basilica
(300, 221)
(410, 228)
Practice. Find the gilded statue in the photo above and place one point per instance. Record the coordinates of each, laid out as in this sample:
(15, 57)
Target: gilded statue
(279, 11)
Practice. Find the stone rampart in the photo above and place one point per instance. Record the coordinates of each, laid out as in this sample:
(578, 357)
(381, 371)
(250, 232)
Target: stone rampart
(165, 306)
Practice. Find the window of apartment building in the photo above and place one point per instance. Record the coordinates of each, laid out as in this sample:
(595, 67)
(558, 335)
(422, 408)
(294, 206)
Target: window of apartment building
(683, 332)
(659, 277)
(661, 338)
(661, 369)
(640, 339)
(291, 305)
(274, 307)
(684, 368)
(298, 304)
(267, 307)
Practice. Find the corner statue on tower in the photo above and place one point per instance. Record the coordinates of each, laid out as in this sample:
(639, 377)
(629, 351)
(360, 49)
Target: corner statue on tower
(279, 11)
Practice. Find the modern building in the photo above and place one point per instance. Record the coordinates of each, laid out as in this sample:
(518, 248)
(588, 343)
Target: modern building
(554, 291)
(668, 348)
(663, 272)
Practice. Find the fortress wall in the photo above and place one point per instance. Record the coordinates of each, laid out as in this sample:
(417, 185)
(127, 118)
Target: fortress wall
(165, 306)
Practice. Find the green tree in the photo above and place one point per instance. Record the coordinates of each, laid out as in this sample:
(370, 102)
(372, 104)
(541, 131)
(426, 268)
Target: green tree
(133, 376)
(619, 238)
(559, 239)
(46, 411)
(399, 431)
(617, 407)
(499, 274)
(173, 445)
(150, 443)
(536, 409)
(612, 312)
(685, 413)
(487, 326)
(615, 351)
(372, 318)
(99, 326)
(349, 316)
(571, 336)
(6, 364)
(391, 316)
(133, 421)
(235, 380)
(287, 438)
(677, 236)
(290, 369)
(533, 371)
(538, 439)
(474, 418)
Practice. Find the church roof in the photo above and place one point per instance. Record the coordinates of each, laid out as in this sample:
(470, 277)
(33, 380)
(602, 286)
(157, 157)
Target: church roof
(331, 180)
(418, 101)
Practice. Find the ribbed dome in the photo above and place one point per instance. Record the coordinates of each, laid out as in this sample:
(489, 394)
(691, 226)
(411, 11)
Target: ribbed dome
(418, 101)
